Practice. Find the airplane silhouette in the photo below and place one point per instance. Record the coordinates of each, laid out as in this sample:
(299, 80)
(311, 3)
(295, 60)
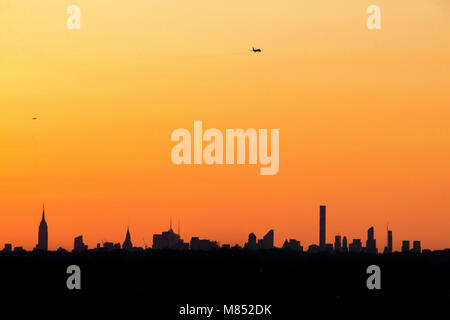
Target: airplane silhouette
(256, 50)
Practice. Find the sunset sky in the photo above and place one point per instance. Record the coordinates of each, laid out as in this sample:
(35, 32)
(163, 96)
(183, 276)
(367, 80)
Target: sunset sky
(364, 119)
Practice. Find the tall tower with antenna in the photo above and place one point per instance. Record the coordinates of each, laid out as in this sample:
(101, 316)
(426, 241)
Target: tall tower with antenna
(42, 233)
(389, 241)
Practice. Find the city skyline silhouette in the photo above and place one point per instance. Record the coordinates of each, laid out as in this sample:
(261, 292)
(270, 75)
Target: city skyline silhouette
(198, 269)
(172, 240)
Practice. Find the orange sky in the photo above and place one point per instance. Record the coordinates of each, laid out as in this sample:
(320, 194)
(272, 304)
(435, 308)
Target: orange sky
(363, 117)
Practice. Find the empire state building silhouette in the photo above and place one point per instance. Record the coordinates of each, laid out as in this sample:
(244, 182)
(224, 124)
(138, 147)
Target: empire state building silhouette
(43, 234)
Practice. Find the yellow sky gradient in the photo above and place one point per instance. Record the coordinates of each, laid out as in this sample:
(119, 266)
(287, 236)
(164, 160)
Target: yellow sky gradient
(363, 116)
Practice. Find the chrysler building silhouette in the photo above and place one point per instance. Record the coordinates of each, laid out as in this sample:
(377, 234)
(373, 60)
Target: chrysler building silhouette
(127, 244)
(43, 234)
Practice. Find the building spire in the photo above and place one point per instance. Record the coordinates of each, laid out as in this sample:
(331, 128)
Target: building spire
(43, 233)
(127, 244)
(170, 222)
(179, 233)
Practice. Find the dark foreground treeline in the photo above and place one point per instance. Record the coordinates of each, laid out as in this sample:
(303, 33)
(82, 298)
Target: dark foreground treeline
(163, 281)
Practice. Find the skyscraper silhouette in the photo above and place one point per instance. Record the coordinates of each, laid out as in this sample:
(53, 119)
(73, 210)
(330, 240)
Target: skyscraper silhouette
(169, 240)
(355, 246)
(292, 244)
(127, 244)
(416, 247)
(267, 241)
(337, 243)
(405, 246)
(78, 244)
(371, 243)
(344, 244)
(42, 234)
(390, 248)
(322, 236)
(251, 243)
